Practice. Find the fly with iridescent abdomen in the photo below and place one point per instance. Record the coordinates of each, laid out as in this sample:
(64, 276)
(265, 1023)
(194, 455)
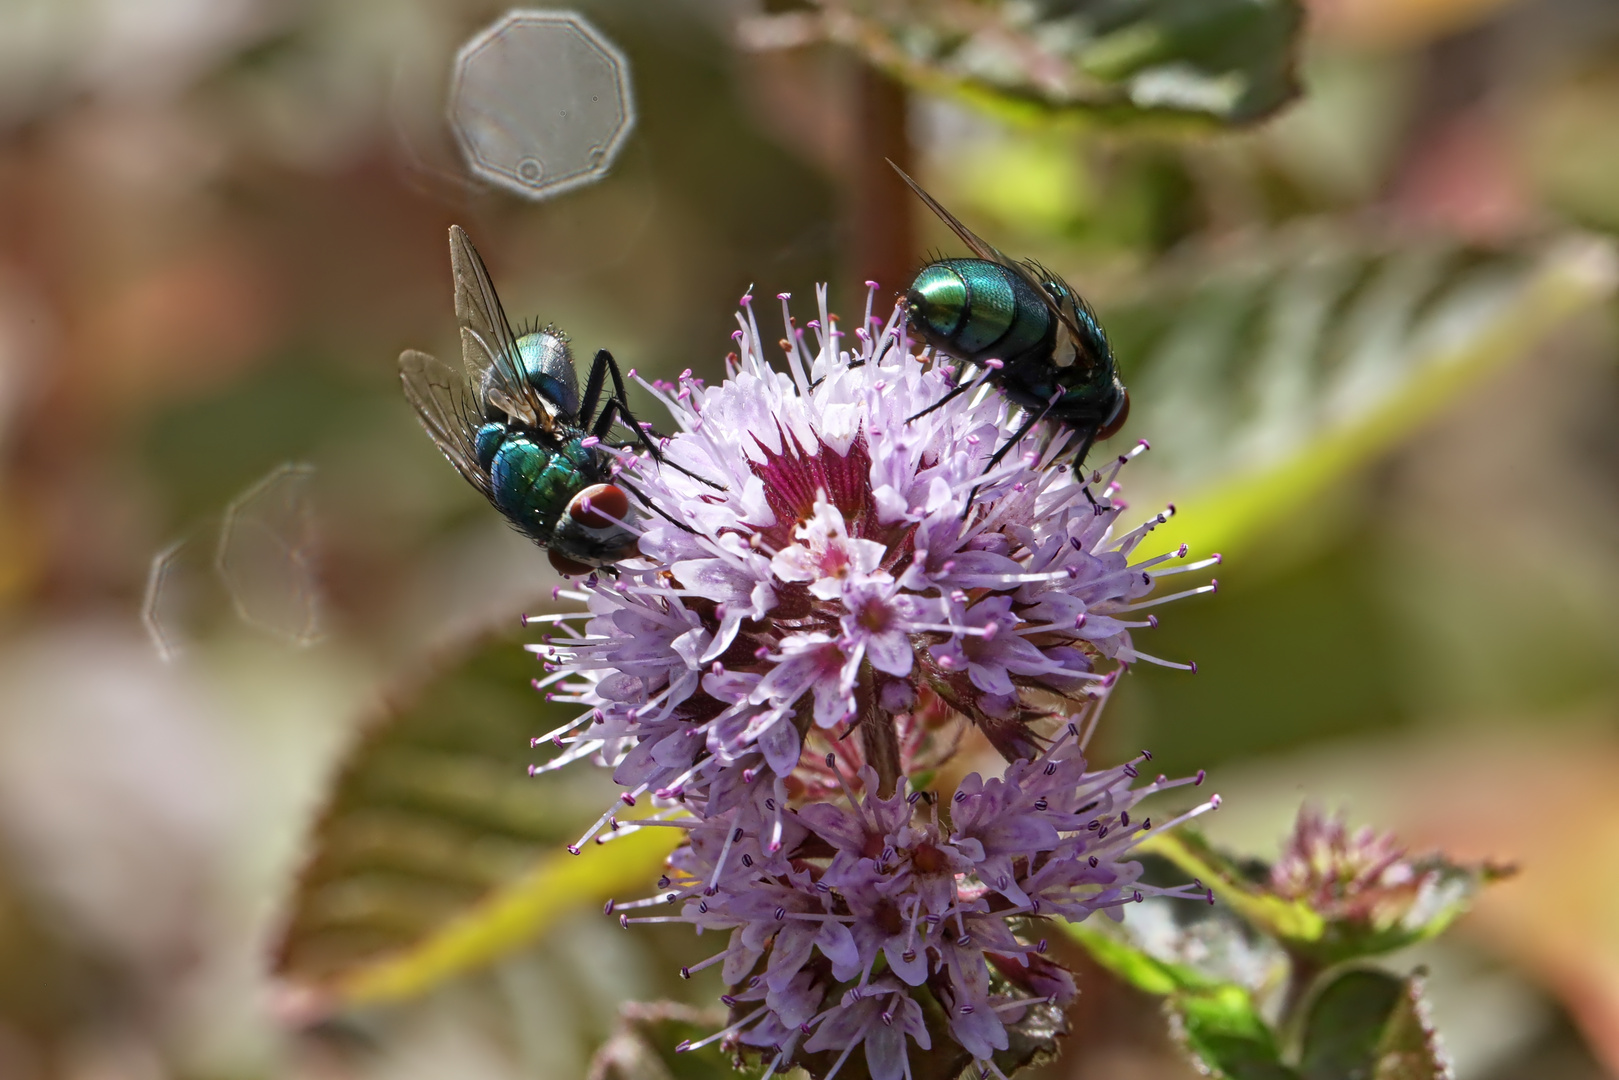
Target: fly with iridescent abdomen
(512, 422)
(1030, 333)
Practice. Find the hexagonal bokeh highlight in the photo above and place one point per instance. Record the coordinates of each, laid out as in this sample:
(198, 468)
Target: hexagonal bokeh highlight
(264, 564)
(540, 102)
(266, 555)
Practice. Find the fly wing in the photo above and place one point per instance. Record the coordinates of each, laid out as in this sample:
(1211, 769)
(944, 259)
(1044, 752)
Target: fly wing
(447, 405)
(987, 251)
(488, 346)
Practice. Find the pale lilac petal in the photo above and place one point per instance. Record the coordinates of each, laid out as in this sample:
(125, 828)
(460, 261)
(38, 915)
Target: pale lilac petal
(781, 746)
(838, 944)
(890, 653)
(885, 1052)
(912, 972)
(979, 1030)
(833, 703)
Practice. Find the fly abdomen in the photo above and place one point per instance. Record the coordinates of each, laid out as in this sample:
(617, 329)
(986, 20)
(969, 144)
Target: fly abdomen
(977, 310)
(533, 485)
(486, 444)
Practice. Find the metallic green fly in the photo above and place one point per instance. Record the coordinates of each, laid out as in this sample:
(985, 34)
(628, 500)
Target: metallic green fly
(1036, 338)
(512, 422)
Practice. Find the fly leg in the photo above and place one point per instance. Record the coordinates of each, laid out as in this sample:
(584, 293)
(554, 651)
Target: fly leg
(965, 384)
(1079, 470)
(618, 408)
(1006, 447)
(650, 505)
(593, 388)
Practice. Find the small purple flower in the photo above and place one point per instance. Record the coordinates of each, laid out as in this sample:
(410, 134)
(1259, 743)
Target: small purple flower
(992, 656)
(880, 1018)
(814, 664)
(881, 622)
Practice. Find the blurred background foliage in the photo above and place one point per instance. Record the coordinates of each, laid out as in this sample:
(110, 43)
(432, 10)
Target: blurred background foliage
(1370, 338)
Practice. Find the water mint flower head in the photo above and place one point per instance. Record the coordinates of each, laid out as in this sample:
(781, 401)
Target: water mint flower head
(829, 587)
(812, 576)
(840, 919)
(1358, 876)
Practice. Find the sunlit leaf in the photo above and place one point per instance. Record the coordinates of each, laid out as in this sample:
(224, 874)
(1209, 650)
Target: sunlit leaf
(437, 853)
(1375, 920)
(1166, 945)
(1226, 61)
(1134, 964)
(1280, 366)
(1224, 1033)
(1233, 886)
(511, 917)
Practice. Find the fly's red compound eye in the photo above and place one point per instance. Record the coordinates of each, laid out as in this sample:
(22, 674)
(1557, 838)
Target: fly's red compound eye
(1112, 427)
(600, 506)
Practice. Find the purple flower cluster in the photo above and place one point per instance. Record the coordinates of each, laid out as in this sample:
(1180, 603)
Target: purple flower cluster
(1361, 876)
(835, 913)
(819, 603)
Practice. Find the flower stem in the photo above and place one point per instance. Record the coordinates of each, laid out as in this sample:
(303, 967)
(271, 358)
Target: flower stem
(879, 740)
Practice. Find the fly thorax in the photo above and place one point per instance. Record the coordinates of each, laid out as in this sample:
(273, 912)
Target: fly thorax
(547, 367)
(976, 309)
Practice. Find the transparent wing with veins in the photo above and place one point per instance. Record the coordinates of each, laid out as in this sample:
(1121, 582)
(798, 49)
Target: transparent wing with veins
(448, 406)
(488, 346)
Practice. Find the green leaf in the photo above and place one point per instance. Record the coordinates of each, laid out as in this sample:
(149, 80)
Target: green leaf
(1213, 61)
(437, 854)
(1265, 371)
(1345, 1024)
(1366, 1024)
(1224, 1033)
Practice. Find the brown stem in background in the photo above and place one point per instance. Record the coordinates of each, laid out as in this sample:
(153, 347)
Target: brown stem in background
(882, 239)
